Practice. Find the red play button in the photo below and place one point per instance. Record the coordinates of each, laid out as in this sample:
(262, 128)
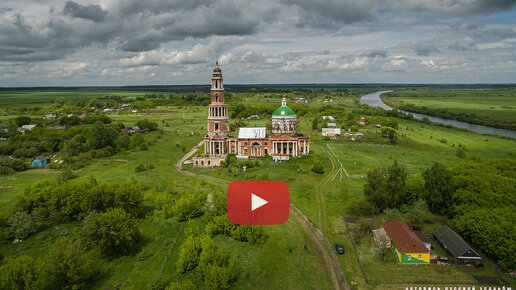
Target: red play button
(258, 202)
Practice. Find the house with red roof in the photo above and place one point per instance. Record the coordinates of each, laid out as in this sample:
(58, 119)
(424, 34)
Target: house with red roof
(405, 244)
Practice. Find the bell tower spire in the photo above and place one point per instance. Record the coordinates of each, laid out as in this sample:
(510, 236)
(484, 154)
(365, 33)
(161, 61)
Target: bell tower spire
(218, 120)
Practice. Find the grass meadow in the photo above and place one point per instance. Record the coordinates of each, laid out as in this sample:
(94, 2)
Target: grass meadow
(496, 104)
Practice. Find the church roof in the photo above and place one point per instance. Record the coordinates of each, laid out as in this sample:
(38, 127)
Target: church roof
(284, 111)
(252, 133)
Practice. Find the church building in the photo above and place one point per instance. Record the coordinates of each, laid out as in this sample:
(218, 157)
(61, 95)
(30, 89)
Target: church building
(281, 144)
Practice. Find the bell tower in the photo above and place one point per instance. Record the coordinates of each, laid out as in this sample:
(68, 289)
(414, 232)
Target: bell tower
(218, 120)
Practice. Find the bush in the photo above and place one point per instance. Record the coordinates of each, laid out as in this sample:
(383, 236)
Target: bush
(19, 273)
(18, 165)
(443, 140)
(4, 170)
(359, 207)
(184, 285)
(249, 233)
(147, 125)
(139, 168)
(76, 199)
(23, 225)
(189, 253)
(461, 153)
(318, 167)
(115, 231)
(66, 265)
(143, 146)
(188, 207)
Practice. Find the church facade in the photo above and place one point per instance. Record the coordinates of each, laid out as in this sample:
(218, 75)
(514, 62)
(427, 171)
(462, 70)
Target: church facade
(283, 143)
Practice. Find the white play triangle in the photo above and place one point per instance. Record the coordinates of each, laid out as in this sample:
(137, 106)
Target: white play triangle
(257, 202)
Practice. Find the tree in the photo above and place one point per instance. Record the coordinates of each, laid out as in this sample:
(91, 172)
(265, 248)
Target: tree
(66, 266)
(19, 273)
(102, 135)
(391, 214)
(22, 120)
(374, 188)
(380, 247)
(147, 125)
(418, 214)
(439, 186)
(395, 184)
(115, 231)
(315, 124)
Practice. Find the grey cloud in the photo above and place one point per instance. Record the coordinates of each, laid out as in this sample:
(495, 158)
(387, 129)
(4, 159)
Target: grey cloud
(332, 14)
(91, 12)
(463, 45)
(161, 6)
(425, 50)
(376, 53)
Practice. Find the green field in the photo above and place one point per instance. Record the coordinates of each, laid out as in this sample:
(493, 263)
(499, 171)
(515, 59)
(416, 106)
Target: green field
(42, 96)
(490, 107)
(270, 265)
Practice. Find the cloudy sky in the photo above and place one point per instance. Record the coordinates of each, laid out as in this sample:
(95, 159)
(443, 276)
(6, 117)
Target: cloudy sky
(155, 42)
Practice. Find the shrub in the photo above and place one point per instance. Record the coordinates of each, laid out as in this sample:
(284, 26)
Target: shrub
(115, 231)
(140, 167)
(66, 265)
(461, 153)
(318, 167)
(249, 233)
(19, 273)
(23, 225)
(359, 207)
(443, 140)
(143, 146)
(4, 170)
(188, 207)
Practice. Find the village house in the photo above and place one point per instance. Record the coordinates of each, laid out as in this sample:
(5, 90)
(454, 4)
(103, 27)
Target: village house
(39, 161)
(405, 244)
(25, 128)
(331, 132)
(329, 118)
(331, 125)
(361, 122)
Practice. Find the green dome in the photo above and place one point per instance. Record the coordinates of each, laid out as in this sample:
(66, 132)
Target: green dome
(284, 111)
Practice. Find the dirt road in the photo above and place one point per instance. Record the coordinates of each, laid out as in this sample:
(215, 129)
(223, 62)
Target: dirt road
(323, 245)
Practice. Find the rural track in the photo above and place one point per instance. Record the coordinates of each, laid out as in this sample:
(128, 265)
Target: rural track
(323, 245)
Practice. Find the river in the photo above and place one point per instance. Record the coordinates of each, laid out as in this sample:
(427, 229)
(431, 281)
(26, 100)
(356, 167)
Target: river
(374, 100)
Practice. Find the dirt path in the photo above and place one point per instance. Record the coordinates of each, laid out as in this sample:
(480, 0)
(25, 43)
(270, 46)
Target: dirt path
(324, 247)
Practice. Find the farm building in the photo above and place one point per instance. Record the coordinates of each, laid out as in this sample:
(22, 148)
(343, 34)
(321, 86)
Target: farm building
(331, 125)
(426, 238)
(330, 132)
(405, 245)
(39, 161)
(459, 250)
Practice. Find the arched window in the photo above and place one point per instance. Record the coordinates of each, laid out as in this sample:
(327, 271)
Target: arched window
(216, 97)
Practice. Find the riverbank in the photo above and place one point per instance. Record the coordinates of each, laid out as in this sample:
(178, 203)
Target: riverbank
(496, 109)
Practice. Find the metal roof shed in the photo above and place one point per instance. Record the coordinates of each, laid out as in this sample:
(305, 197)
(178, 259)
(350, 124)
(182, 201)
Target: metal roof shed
(454, 244)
